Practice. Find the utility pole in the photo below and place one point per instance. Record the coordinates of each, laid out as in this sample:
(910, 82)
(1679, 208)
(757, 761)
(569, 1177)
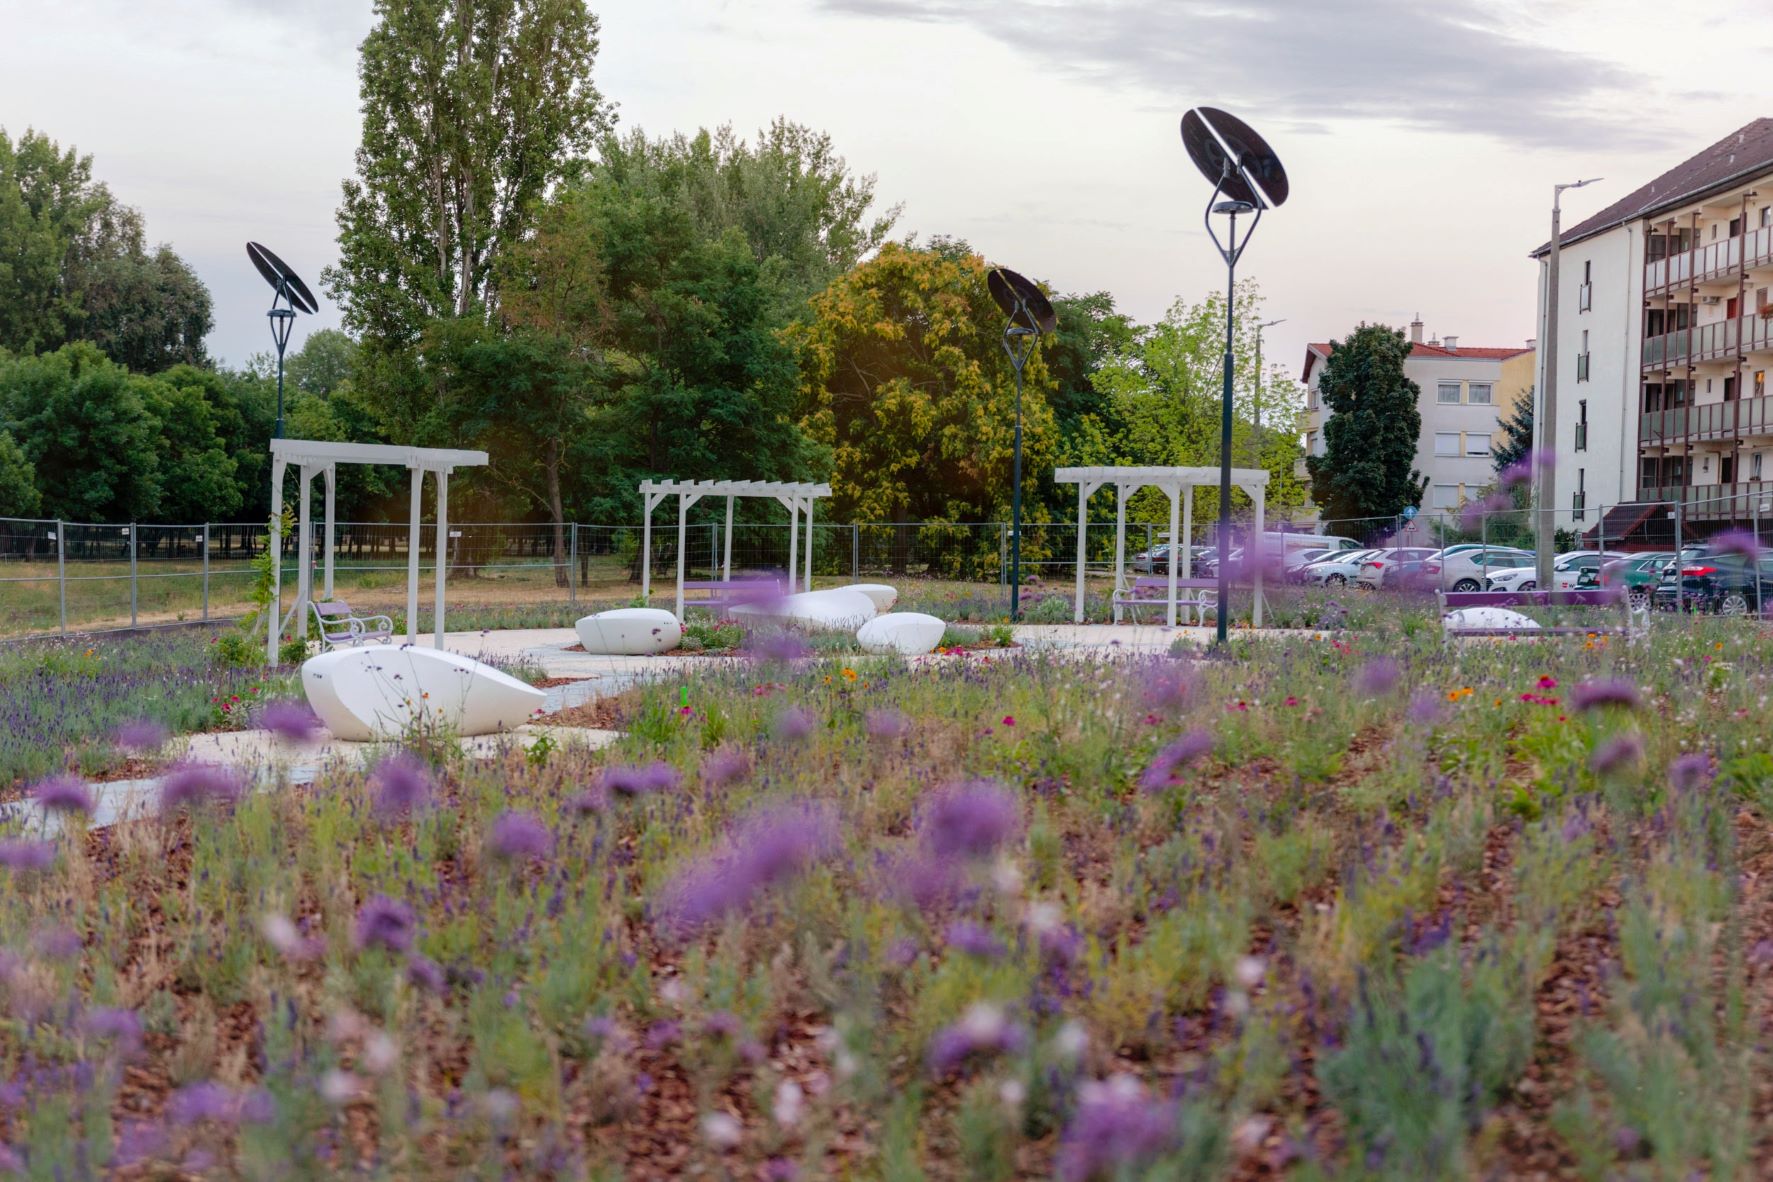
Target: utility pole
(1547, 419)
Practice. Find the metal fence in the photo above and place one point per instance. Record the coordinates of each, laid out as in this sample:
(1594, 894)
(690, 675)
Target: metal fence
(60, 576)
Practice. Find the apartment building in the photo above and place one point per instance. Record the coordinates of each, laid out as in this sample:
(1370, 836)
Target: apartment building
(1466, 392)
(1665, 338)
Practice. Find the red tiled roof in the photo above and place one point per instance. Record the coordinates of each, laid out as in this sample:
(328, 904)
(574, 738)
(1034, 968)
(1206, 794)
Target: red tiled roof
(1423, 349)
(1745, 152)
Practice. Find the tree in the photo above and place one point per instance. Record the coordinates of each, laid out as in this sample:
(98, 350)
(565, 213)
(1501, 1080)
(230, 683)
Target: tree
(472, 110)
(197, 475)
(323, 364)
(73, 267)
(905, 385)
(1367, 470)
(1517, 435)
(18, 480)
(83, 426)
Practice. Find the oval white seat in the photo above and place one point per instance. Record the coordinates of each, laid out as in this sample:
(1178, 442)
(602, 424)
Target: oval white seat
(630, 632)
(909, 633)
(1472, 618)
(381, 691)
(884, 596)
(839, 607)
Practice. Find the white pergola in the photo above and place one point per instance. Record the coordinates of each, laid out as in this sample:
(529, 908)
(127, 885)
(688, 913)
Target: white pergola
(794, 495)
(1179, 485)
(315, 457)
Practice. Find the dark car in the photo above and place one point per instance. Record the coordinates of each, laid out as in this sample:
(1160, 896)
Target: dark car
(1636, 574)
(1722, 583)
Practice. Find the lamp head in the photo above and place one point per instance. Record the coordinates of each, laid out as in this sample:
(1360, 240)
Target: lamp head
(1234, 208)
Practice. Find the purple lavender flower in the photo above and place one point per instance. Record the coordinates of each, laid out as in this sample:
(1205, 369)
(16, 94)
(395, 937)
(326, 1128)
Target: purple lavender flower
(58, 943)
(663, 1034)
(970, 820)
(1593, 695)
(722, 1024)
(963, 935)
(1737, 541)
(1377, 677)
(292, 722)
(887, 724)
(1425, 709)
(982, 1031)
(794, 724)
(141, 736)
(923, 879)
(1161, 772)
(195, 1103)
(641, 780)
(728, 765)
(385, 923)
(425, 973)
(1170, 689)
(63, 794)
(1116, 1129)
(402, 785)
(593, 801)
(519, 836)
(21, 854)
(766, 848)
(118, 1026)
(1690, 773)
(778, 647)
(193, 785)
(1616, 755)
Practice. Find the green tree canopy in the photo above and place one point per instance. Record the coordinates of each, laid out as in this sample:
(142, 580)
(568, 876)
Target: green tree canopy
(73, 266)
(323, 364)
(1367, 469)
(905, 385)
(18, 480)
(1516, 443)
(472, 111)
(82, 424)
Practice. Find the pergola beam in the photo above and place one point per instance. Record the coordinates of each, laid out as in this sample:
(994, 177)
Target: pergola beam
(793, 495)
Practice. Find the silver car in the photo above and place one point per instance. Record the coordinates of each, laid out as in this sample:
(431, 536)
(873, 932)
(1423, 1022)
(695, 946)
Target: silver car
(1338, 569)
(1470, 570)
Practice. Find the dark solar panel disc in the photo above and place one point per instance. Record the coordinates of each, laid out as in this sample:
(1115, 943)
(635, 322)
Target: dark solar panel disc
(1039, 307)
(1001, 292)
(281, 278)
(1210, 135)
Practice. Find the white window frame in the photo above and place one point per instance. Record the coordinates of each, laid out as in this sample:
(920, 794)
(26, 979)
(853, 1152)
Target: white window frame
(1443, 503)
(1442, 436)
(1440, 393)
(1471, 389)
(1470, 450)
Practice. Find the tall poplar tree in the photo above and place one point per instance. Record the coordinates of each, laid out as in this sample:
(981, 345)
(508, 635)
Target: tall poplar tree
(1368, 466)
(472, 111)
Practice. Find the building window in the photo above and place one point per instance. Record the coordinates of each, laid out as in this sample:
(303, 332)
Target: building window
(1582, 424)
(1446, 443)
(1478, 393)
(1760, 382)
(1754, 466)
(1446, 496)
(1579, 501)
(1585, 294)
(1477, 443)
(1447, 392)
(1767, 215)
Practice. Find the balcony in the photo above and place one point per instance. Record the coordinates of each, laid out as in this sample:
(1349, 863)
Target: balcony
(1708, 420)
(1710, 262)
(1719, 340)
(1714, 502)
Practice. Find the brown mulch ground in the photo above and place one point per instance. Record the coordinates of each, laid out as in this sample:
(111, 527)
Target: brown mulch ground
(604, 714)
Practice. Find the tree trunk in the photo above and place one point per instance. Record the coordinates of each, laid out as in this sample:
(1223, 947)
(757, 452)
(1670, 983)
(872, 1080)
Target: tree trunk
(556, 509)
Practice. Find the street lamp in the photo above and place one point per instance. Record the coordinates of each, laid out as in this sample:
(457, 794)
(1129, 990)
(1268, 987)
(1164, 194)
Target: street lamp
(1030, 315)
(294, 297)
(1547, 419)
(1248, 176)
(1257, 446)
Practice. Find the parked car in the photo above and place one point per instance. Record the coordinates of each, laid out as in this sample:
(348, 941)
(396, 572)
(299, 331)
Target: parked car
(1338, 569)
(1636, 574)
(1564, 570)
(1470, 569)
(1294, 571)
(1568, 568)
(1151, 561)
(1724, 583)
(1385, 567)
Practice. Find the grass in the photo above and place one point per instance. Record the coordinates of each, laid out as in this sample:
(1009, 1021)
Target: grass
(1366, 906)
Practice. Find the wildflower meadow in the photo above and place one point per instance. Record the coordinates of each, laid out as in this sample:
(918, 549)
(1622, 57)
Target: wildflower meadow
(1351, 905)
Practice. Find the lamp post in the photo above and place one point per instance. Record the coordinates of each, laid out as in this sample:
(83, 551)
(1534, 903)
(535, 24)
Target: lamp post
(1257, 445)
(1247, 178)
(1030, 315)
(289, 296)
(1547, 419)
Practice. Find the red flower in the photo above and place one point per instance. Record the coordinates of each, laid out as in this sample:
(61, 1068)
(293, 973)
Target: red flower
(1009, 720)
(1548, 682)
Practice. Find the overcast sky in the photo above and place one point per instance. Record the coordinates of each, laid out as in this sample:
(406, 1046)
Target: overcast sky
(1422, 139)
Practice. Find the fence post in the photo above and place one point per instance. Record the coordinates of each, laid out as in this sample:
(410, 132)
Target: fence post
(855, 551)
(572, 570)
(61, 569)
(133, 580)
(1003, 555)
(206, 571)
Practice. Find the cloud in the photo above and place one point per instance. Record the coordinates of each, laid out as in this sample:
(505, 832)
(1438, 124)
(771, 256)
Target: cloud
(1453, 65)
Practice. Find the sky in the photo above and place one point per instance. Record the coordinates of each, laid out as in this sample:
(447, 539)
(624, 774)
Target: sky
(1422, 140)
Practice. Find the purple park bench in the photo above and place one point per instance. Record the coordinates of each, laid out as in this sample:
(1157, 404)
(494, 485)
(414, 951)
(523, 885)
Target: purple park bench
(1201, 595)
(1630, 623)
